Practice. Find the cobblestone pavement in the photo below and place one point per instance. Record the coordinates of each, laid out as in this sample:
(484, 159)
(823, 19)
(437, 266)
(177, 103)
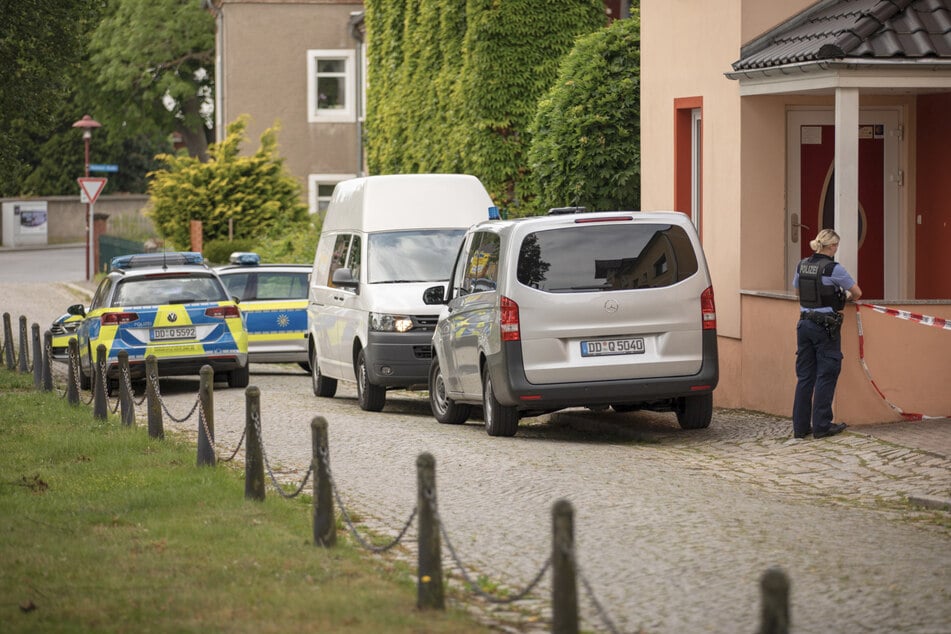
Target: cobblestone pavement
(673, 529)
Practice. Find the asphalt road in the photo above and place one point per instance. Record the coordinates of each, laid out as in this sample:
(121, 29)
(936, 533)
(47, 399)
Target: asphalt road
(673, 529)
(53, 264)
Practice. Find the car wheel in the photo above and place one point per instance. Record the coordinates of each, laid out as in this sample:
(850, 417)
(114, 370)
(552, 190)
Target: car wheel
(695, 412)
(500, 420)
(240, 377)
(444, 408)
(370, 397)
(304, 365)
(85, 380)
(322, 385)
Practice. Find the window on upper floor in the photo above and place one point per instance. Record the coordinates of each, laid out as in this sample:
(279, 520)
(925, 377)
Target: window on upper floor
(331, 77)
(320, 189)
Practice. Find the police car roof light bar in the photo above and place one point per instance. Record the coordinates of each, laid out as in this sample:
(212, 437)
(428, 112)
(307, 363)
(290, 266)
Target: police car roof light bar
(247, 258)
(141, 260)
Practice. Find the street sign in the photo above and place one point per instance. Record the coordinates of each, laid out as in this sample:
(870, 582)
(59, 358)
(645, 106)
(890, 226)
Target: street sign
(91, 187)
(100, 167)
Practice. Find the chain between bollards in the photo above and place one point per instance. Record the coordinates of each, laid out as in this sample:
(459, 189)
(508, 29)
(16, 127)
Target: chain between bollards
(156, 426)
(325, 527)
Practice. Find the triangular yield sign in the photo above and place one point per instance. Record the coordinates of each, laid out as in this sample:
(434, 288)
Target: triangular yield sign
(92, 186)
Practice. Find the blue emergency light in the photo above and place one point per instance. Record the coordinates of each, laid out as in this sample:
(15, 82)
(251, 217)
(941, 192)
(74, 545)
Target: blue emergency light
(140, 260)
(246, 258)
(494, 213)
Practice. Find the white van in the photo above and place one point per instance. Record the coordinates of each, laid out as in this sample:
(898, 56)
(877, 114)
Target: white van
(384, 240)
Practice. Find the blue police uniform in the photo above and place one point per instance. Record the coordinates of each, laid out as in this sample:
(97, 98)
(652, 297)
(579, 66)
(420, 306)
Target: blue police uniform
(822, 283)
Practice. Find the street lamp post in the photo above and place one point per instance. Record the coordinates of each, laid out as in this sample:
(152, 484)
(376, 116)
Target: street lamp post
(87, 123)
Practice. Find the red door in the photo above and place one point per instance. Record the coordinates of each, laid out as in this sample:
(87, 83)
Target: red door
(817, 191)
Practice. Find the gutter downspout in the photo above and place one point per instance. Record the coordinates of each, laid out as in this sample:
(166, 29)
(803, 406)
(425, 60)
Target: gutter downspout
(356, 22)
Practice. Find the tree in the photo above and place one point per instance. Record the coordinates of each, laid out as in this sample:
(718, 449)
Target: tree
(154, 67)
(586, 135)
(40, 46)
(254, 192)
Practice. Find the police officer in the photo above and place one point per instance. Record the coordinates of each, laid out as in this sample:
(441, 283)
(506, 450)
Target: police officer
(824, 287)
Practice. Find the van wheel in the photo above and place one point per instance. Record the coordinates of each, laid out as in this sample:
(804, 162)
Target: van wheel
(444, 408)
(623, 408)
(695, 412)
(323, 386)
(370, 397)
(500, 420)
(240, 377)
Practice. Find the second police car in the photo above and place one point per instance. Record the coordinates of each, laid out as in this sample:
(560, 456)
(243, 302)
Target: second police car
(273, 300)
(170, 305)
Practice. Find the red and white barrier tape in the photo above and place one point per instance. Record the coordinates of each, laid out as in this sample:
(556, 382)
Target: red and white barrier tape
(901, 314)
(925, 320)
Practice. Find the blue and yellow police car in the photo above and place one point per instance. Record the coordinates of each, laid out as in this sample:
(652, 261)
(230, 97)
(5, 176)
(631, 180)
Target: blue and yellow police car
(170, 305)
(273, 299)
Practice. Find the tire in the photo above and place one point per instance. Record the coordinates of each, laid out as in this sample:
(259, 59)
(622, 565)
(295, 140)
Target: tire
(623, 408)
(500, 420)
(371, 397)
(304, 365)
(445, 410)
(322, 385)
(85, 381)
(240, 377)
(695, 412)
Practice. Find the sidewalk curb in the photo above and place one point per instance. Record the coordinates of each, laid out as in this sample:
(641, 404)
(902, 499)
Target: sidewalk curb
(937, 504)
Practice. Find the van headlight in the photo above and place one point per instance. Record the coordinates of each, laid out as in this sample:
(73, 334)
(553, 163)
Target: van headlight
(383, 322)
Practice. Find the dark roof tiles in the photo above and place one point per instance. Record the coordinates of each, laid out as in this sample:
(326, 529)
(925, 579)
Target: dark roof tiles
(870, 29)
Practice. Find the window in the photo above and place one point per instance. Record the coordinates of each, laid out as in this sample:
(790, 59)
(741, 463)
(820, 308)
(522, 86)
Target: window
(339, 257)
(482, 264)
(320, 189)
(330, 86)
(421, 255)
(606, 258)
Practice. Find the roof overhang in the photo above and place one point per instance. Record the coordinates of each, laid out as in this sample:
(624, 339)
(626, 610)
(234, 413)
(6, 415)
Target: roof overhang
(824, 77)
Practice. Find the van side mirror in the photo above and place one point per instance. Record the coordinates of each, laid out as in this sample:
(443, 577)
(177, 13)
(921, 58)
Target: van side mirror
(77, 309)
(434, 295)
(343, 277)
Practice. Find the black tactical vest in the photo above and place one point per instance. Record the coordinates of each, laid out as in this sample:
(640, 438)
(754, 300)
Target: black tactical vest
(812, 292)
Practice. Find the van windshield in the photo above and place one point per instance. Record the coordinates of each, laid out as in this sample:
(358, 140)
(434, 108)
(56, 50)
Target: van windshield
(420, 255)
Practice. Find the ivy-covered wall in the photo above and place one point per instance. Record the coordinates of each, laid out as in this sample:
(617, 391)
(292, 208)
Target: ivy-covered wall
(454, 87)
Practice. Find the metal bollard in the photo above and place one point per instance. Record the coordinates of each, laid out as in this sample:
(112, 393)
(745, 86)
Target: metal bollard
(100, 409)
(254, 454)
(37, 358)
(24, 358)
(47, 361)
(206, 417)
(156, 426)
(564, 585)
(429, 590)
(126, 406)
(72, 376)
(325, 526)
(774, 585)
(8, 342)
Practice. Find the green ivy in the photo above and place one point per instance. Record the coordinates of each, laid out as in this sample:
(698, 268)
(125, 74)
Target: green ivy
(454, 88)
(235, 196)
(586, 135)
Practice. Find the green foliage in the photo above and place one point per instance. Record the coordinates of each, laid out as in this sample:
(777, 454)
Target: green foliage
(149, 54)
(219, 251)
(586, 135)
(453, 87)
(41, 47)
(254, 192)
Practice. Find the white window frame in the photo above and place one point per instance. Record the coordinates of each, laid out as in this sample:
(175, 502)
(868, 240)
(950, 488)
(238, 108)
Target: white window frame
(313, 180)
(349, 112)
(696, 165)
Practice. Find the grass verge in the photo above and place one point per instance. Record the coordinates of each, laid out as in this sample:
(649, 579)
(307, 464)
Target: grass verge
(103, 529)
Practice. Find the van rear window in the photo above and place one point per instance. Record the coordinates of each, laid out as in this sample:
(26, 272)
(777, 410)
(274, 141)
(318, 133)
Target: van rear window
(606, 257)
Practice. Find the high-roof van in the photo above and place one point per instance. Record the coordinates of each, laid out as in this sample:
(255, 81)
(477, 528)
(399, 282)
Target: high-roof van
(384, 240)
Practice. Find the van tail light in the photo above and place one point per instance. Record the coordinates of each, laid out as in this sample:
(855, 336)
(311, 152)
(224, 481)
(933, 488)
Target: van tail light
(115, 319)
(223, 312)
(708, 311)
(509, 319)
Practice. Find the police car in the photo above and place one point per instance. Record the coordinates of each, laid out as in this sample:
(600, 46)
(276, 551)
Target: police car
(170, 305)
(273, 300)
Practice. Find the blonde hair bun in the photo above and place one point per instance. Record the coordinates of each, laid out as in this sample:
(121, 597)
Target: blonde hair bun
(823, 239)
